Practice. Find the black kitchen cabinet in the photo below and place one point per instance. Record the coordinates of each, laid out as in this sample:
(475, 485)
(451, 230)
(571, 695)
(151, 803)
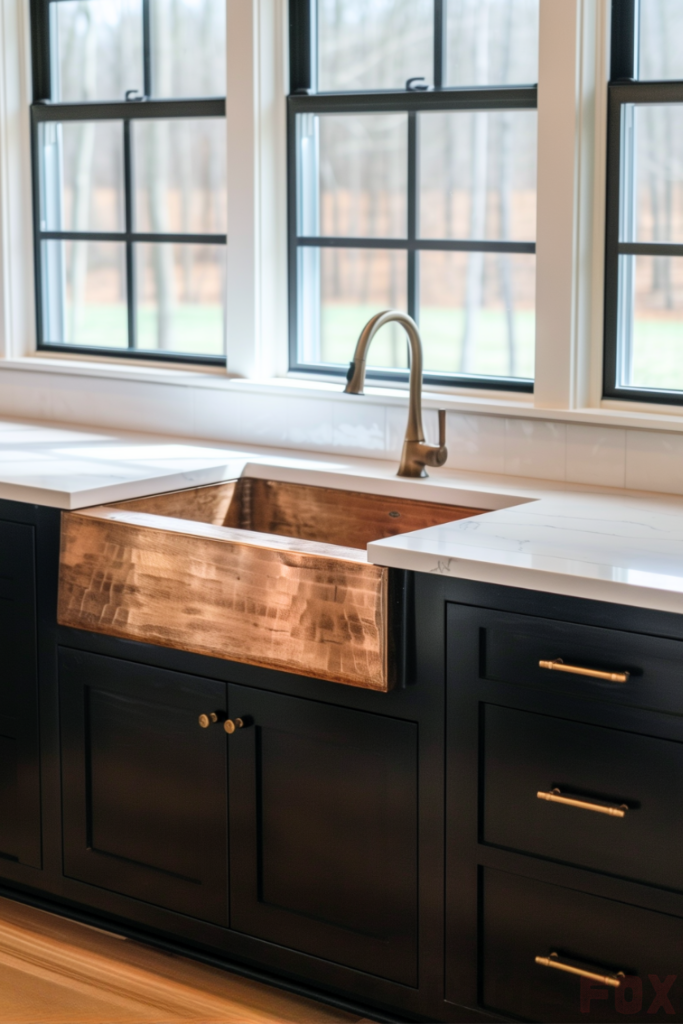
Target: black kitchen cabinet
(389, 849)
(323, 814)
(144, 788)
(564, 821)
(20, 832)
(322, 809)
(530, 930)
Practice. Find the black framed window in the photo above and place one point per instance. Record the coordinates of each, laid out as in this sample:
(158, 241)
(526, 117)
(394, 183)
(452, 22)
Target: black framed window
(129, 177)
(412, 184)
(644, 257)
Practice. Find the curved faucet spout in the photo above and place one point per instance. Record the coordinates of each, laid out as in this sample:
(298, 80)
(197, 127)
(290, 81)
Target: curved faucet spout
(416, 454)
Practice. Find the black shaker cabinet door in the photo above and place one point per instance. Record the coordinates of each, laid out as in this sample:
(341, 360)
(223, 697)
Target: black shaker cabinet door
(144, 787)
(323, 829)
(19, 756)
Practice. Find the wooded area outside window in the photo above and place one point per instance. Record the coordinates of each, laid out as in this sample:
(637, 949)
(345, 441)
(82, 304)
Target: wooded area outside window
(129, 177)
(644, 265)
(412, 184)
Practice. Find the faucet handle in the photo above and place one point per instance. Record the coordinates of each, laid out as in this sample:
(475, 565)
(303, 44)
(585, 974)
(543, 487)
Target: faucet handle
(442, 428)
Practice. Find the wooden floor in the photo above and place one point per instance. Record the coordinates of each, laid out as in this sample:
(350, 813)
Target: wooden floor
(55, 971)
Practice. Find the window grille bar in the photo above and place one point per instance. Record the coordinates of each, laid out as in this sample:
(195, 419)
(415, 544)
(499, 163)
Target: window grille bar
(147, 67)
(132, 236)
(413, 213)
(40, 49)
(131, 297)
(521, 97)
(440, 43)
(624, 42)
(425, 244)
(650, 249)
(302, 34)
(120, 110)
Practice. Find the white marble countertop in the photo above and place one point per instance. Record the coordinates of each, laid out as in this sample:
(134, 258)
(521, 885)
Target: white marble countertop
(623, 547)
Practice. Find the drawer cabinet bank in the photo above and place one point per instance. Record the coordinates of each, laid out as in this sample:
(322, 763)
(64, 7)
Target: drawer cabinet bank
(496, 837)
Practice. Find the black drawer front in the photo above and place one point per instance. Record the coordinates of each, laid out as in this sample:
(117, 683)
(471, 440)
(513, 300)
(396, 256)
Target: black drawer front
(527, 753)
(524, 919)
(511, 647)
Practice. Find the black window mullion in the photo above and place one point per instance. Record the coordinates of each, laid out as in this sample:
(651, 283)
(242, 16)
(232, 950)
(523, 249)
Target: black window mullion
(40, 49)
(119, 110)
(413, 216)
(302, 46)
(147, 48)
(624, 41)
(129, 198)
(440, 43)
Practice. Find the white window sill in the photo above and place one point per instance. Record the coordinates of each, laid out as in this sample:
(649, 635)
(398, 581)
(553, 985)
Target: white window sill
(608, 414)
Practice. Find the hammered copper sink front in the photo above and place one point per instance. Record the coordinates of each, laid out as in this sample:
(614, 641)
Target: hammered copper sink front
(255, 571)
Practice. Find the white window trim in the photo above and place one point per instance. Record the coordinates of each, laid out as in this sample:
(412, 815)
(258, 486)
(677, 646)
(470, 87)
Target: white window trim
(572, 113)
(17, 291)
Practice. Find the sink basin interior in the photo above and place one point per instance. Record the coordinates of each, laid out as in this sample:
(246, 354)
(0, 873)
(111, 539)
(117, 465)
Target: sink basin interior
(323, 514)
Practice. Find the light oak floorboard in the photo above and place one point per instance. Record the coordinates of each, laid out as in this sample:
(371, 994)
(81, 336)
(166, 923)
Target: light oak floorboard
(56, 971)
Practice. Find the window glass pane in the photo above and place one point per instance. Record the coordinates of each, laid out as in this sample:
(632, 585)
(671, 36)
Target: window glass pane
(477, 313)
(652, 173)
(96, 49)
(492, 42)
(478, 175)
(651, 322)
(181, 298)
(661, 29)
(84, 293)
(374, 44)
(353, 174)
(188, 45)
(339, 290)
(81, 176)
(180, 182)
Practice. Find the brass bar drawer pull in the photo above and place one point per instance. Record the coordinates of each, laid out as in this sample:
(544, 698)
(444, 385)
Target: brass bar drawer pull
(613, 980)
(554, 796)
(557, 665)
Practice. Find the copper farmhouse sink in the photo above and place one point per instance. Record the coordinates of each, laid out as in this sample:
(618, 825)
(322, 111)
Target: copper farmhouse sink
(255, 571)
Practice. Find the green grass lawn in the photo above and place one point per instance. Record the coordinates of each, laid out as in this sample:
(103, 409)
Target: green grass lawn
(441, 331)
(197, 329)
(658, 353)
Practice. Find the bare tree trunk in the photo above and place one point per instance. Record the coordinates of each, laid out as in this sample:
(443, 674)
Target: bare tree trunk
(83, 182)
(157, 184)
(475, 262)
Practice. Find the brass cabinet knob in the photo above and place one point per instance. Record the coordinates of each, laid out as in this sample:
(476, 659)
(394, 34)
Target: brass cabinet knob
(206, 720)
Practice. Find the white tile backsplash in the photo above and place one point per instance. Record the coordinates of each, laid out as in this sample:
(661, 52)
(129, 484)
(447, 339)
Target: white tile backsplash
(114, 403)
(476, 443)
(396, 422)
(535, 448)
(596, 455)
(654, 461)
(287, 422)
(359, 426)
(219, 416)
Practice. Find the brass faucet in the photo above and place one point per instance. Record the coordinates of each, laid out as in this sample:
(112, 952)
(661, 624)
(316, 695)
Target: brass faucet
(416, 454)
